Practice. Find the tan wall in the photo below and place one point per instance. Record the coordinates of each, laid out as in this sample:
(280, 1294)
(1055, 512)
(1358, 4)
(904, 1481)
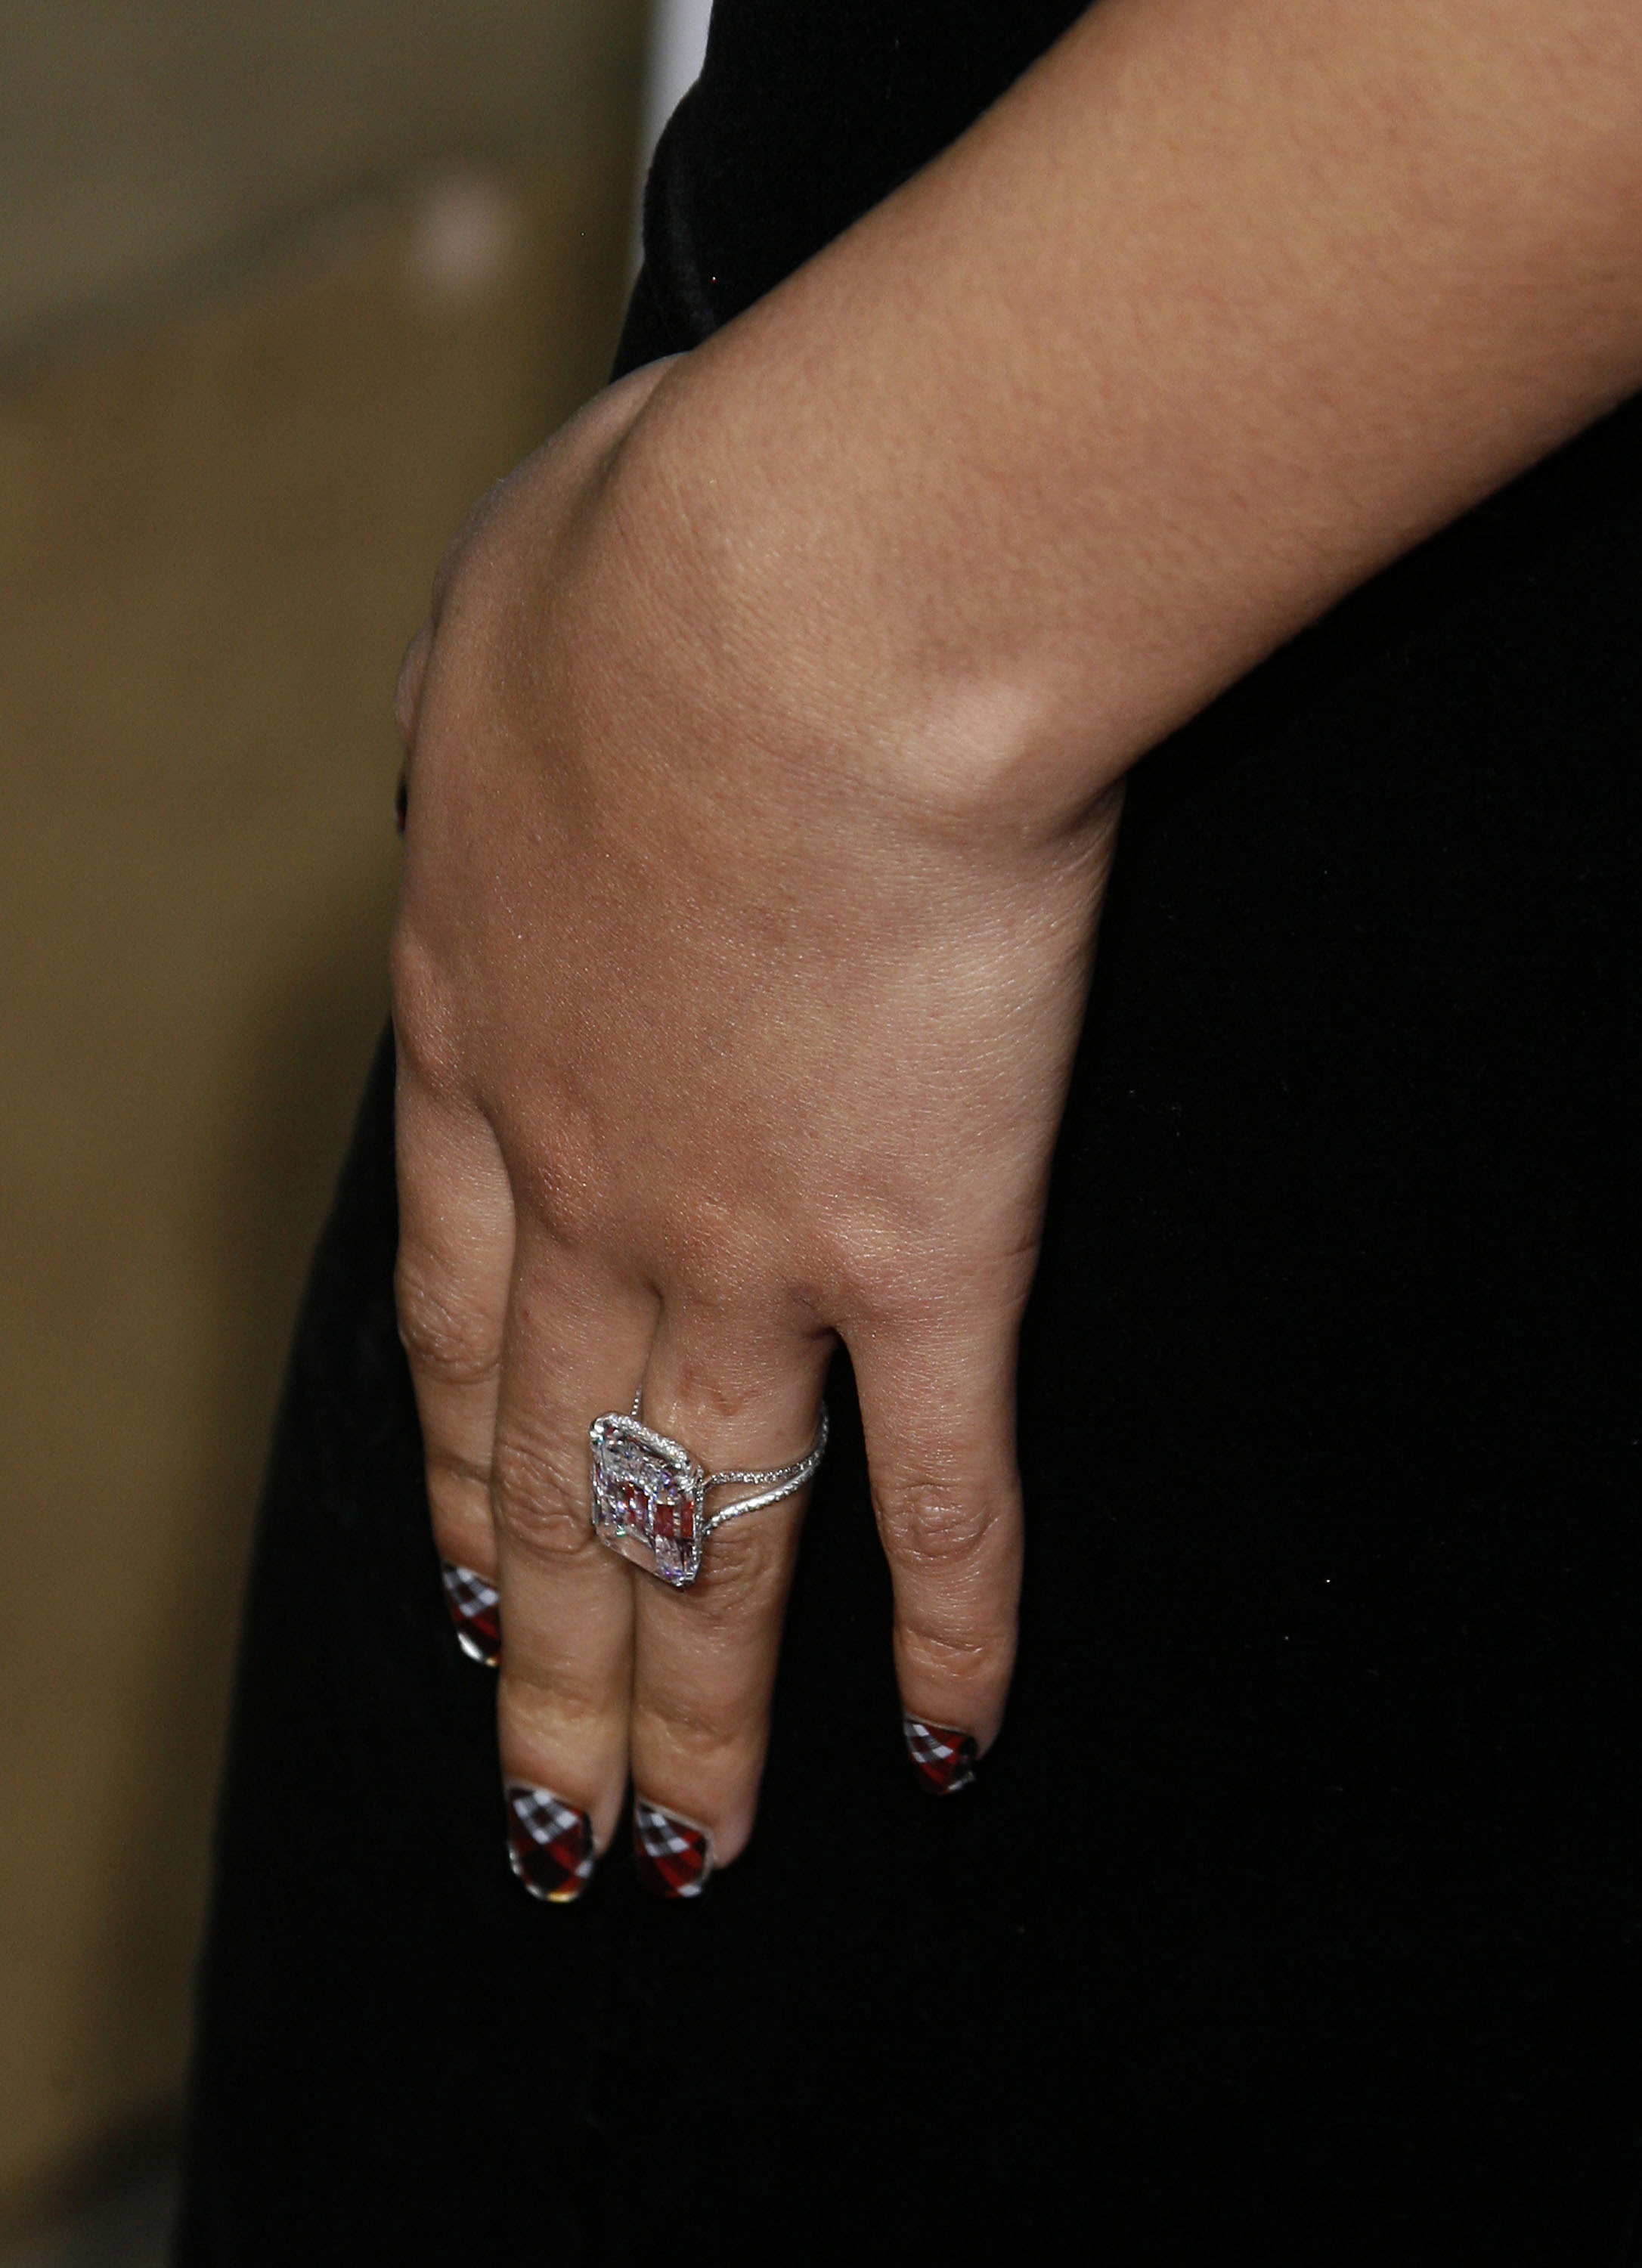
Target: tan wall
(216, 533)
(142, 141)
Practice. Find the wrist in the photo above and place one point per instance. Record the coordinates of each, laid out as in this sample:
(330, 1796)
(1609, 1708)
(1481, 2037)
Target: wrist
(798, 585)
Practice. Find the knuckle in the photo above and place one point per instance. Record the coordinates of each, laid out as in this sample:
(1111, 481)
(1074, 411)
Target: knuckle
(744, 1574)
(558, 1180)
(966, 1658)
(713, 1249)
(543, 1709)
(539, 1496)
(423, 1022)
(457, 1486)
(453, 1468)
(446, 1337)
(702, 1394)
(931, 1524)
(691, 1732)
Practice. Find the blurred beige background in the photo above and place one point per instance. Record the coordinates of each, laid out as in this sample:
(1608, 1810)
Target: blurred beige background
(280, 291)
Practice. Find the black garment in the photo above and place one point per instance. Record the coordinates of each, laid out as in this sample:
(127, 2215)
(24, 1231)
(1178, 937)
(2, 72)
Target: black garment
(1296, 1913)
(807, 112)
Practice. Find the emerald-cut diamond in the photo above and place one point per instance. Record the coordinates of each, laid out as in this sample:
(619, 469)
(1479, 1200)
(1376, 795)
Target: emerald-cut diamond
(648, 1499)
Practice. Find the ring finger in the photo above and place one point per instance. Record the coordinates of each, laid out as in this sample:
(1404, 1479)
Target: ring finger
(738, 1397)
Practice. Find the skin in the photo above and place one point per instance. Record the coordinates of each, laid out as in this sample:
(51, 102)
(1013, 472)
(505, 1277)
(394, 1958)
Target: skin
(766, 742)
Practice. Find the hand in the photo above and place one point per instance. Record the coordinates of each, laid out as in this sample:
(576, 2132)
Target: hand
(728, 1028)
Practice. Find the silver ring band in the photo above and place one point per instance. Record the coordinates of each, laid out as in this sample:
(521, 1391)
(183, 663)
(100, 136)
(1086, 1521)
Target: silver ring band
(649, 1495)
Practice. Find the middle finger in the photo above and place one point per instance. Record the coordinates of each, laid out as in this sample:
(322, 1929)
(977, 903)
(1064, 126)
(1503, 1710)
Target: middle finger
(576, 1340)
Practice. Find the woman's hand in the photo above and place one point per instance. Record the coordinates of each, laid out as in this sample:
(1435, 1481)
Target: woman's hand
(734, 1020)
(763, 744)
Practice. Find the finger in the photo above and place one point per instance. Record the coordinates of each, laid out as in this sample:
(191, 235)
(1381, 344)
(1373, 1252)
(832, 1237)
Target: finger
(407, 706)
(576, 1344)
(938, 1411)
(451, 1285)
(737, 1396)
(408, 691)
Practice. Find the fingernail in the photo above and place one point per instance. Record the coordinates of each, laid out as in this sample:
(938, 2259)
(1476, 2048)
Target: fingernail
(943, 1758)
(476, 1610)
(673, 1857)
(549, 1843)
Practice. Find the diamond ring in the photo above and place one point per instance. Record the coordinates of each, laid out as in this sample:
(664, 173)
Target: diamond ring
(649, 1495)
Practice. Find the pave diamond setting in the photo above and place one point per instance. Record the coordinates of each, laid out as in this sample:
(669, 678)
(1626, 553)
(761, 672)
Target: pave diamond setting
(649, 1499)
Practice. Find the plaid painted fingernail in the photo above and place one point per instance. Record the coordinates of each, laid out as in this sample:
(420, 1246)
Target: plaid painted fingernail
(549, 1843)
(476, 1610)
(673, 1859)
(944, 1757)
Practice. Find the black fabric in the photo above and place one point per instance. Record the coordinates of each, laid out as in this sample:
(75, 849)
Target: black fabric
(805, 115)
(1296, 1913)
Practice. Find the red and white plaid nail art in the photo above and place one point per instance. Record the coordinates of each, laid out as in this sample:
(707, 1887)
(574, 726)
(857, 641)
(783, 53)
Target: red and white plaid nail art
(672, 1857)
(476, 1610)
(549, 1843)
(944, 1758)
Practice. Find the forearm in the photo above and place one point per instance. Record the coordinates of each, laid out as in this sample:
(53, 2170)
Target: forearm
(1224, 306)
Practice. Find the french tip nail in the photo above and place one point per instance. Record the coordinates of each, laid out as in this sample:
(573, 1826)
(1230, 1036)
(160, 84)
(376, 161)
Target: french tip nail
(475, 1609)
(550, 1844)
(943, 1758)
(672, 1857)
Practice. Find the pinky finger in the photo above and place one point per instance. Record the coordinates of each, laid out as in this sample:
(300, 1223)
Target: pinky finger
(937, 1409)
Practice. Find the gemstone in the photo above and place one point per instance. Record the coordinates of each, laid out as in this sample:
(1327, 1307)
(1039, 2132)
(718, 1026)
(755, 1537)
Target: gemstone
(672, 1511)
(646, 1498)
